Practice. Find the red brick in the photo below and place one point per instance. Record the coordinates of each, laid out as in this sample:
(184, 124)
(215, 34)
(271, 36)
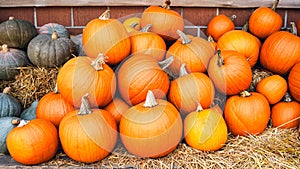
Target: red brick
(293, 16)
(198, 16)
(122, 13)
(242, 15)
(82, 15)
(191, 31)
(75, 31)
(60, 15)
(24, 13)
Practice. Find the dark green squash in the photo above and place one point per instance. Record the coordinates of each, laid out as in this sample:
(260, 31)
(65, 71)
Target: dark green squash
(50, 27)
(16, 33)
(77, 40)
(7, 124)
(30, 112)
(50, 50)
(9, 105)
(10, 60)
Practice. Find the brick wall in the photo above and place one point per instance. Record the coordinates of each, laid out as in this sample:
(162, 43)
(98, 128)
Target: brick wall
(75, 18)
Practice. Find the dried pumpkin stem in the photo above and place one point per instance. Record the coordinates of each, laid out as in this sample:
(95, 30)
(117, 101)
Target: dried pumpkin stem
(56, 89)
(166, 4)
(245, 26)
(105, 15)
(4, 48)
(11, 18)
(199, 107)
(7, 90)
(185, 39)
(146, 28)
(54, 35)
(134, 24)
(276, 2)
(294, 28)
(15, 122)
(210, 38)
(23, 123)
(150, 100)
(287, 98)
(99, 61)
(220, 59)
(232, 17)
(245, 93)
(166, 63)
(85, 107)
(182, 71)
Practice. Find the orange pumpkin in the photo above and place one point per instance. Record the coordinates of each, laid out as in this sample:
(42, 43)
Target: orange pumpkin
(230, 72)
(242, 42)
(264, 21)
(188, 89)
(88, 135)
(247, 113)
(280, 52)
(219, 25)
(294, 82)
(205, 130)
(140, 73)
(164, 20)
(286, 114)
(152, 128)
(53, 107)
(83, 75)
(116, 108)
(107, 36)
(273, 88)
(33, 142)
(148, 43)
(192, 51)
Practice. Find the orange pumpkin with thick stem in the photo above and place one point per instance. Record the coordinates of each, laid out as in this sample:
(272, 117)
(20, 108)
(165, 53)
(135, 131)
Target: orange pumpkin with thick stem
(148, 43)
(152, 128)
(247, 113)
(107, 36)
(205, 129)
(219, 25)
(116, 108)
(164, 20)
(83, 75)
(273, 88)
(294, 82)
(264, 21)
(33, 142)
(242, 42)
(192, 51)
(230, 72)
(53, 107)
(188, 89)
(88, 135)
(280, 51)
(286, 114)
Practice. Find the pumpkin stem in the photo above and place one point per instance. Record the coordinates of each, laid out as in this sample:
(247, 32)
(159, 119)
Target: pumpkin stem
(54, 35)
(56, 89)
(166, 4)
(15, 122)
(11, 18)
(4, 48)
(99, 61)
(185, 39)
(166, 63)
(182, 71)
(7, 90)
(287, 97)
(245, 93)
(232, 17)
(105, 15)
(245, 26)
(85, 107)
(294, 28)
(276, 2)
(150, 100)
(146, 28)
(199, 107)
(23, 123)
(134, 24)
(220, 59)
(210, 38)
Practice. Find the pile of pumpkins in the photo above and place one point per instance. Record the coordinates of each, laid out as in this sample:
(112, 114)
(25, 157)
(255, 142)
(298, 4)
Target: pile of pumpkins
(131, 84)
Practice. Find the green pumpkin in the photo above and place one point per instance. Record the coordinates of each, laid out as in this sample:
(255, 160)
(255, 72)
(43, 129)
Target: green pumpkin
(16, 33)
(30, 112)
(9, 106)
(50, 50)
(50, 27)
(7, 124)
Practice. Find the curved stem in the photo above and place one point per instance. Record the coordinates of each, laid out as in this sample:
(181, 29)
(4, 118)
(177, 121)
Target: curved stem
(185, 39)
(287, 97)
(166, 63)
(105, 15)
(199, 107)
(54, 35)
(56, 89)
(85, 107)
(232, 17)
(146, 28)
(15, 121)
(150, 100)
(245, 93)
(182, 71)
(23, 123)
(210, 38)
(276, 2)
(294, 28)
(4, 48)
(220, 59)
(11, 18)
(7, 90)
(134, 24)
(245, 26)
(99, 61)
(166, 4)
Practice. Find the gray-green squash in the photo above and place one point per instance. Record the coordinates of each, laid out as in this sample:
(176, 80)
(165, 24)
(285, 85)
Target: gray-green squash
(9, 105)
(50, 27)
(7, 124)
(30, 112)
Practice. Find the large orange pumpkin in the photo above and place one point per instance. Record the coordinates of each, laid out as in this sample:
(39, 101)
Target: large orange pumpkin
(140, 73)
(152, 128)
(286, 114)
(247, 113)
(264, 21)
(219, 25)
(242, 42)
(205, 130)
(294, 82)
(192, 51)
(53, 107)
(33, 142)
(88, 135)
(83, 75)
(164, 20)
(188, 89)
(230, 72)
(280, 52)
(107, 36)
